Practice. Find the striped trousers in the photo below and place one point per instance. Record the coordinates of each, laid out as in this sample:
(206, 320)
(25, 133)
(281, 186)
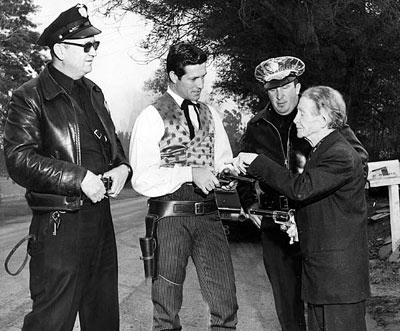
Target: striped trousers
(203, 239)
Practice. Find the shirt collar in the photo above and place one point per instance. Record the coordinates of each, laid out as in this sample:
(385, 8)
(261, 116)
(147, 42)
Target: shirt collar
(66, 82)
(178, 99)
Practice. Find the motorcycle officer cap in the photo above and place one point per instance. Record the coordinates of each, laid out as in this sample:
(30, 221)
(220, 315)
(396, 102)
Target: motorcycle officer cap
(71, 24)
(279, 71)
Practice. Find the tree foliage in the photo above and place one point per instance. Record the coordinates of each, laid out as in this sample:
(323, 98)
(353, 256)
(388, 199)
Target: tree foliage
(233, 126)
(159, 83)
(351, 45)
(20, 59)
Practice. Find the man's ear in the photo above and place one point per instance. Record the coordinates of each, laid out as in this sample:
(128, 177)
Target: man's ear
(59, 51)
(325, 119)
(173, 77)
(298, 87)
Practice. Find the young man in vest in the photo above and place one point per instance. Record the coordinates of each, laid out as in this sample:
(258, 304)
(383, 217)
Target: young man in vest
(178, 146)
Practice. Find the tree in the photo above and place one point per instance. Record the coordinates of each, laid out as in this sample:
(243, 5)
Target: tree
(351, 45)
(159, 83)
(233, 126)
(20, 58)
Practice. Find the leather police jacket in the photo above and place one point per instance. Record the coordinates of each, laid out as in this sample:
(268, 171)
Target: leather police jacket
(42, 138)
(262, 136)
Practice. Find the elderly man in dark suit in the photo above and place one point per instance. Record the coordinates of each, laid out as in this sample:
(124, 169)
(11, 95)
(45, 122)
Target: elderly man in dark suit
(331, 212)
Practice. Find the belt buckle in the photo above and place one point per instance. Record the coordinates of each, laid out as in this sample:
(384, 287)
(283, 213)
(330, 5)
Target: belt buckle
(199, 208)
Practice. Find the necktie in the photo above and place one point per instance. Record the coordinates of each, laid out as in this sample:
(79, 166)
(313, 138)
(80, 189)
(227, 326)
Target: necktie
(185, 108)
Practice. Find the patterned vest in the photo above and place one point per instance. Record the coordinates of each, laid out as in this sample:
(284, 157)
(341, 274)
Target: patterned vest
(176, 147)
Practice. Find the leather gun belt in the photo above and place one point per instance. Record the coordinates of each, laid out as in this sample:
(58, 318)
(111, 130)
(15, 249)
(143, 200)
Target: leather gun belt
(181, 208)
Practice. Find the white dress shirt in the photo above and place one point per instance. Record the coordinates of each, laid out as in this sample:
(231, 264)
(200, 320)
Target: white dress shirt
(148, 177)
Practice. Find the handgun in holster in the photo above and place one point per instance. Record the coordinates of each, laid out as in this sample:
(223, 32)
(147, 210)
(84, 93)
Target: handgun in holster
(148, 246)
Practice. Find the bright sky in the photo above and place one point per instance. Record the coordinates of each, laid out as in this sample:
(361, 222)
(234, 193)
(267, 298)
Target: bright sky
(114, 70)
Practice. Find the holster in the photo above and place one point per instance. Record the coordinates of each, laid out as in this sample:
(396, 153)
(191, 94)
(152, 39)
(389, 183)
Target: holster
(148, 246)
(158, 209)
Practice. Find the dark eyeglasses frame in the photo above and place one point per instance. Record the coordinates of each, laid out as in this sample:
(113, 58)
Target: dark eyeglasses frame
(86, 47)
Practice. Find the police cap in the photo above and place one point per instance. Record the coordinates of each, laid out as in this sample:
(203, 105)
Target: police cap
(279, 71)
(71, 24)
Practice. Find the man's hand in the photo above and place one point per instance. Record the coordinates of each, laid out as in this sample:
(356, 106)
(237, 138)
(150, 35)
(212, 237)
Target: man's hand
(300, 162)
(93, 187)
(225, 182)
(118, 176)
(242, 162)
(230, 179)
(204, 179)
(292, 233)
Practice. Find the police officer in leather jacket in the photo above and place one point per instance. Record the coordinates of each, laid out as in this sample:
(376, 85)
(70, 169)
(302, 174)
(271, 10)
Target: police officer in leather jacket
(60, 141)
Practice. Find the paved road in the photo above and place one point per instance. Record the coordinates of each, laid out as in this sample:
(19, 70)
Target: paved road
(256, 310)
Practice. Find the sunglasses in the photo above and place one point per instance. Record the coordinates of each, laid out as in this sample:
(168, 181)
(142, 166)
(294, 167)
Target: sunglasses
(86, 47)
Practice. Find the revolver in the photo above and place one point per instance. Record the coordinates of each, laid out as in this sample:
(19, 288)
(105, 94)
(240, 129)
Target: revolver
(225, 177)
(107, 181)
(279, 216)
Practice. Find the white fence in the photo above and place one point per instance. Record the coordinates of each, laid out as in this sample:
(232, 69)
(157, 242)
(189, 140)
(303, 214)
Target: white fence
(387, 173)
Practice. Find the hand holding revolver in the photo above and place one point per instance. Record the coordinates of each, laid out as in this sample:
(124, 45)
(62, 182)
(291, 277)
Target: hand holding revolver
(93, 187)
(204, 179)
(229, 178)
(118, 178)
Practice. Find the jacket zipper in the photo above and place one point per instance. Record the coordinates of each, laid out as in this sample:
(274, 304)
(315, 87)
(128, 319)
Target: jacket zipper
(285, 156)
(77, 135)
(77, 132)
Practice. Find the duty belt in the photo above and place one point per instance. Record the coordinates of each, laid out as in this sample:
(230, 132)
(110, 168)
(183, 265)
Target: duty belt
(163, 208)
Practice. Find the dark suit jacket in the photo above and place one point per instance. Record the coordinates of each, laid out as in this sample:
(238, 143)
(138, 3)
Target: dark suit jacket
(331, 219)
